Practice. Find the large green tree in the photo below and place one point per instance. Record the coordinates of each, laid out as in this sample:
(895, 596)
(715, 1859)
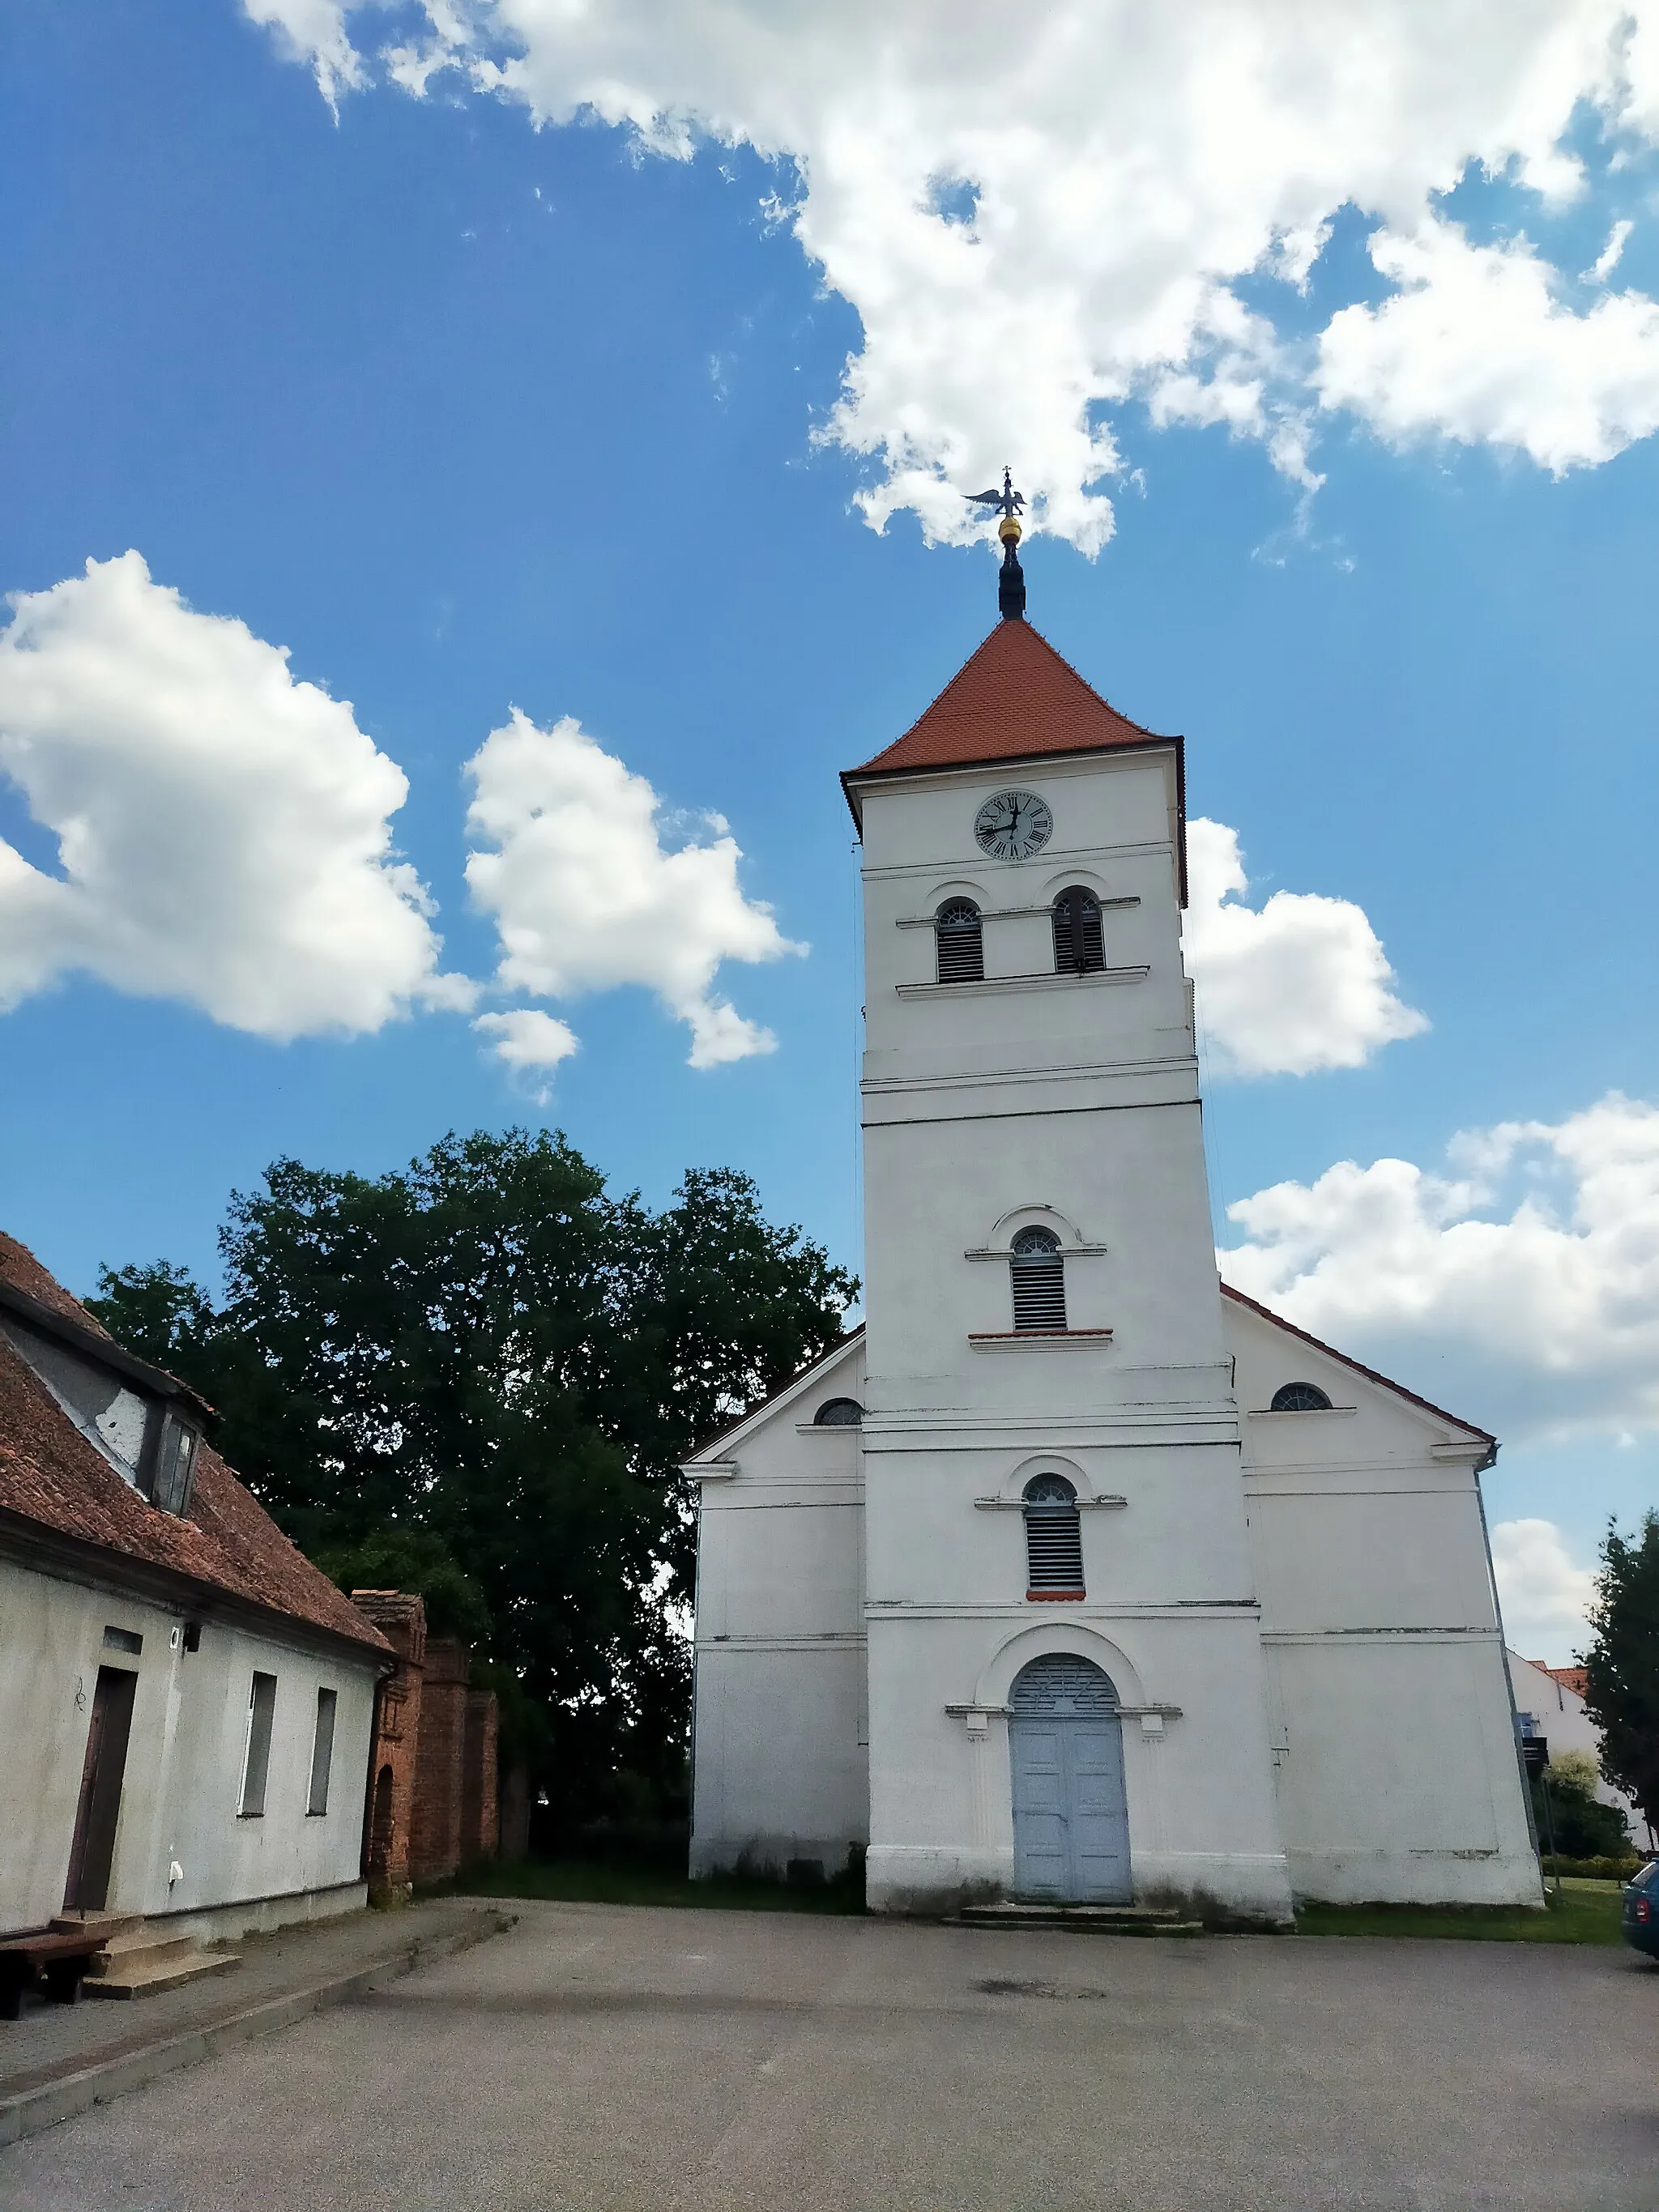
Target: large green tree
(1621, 1692)
(479, 1377)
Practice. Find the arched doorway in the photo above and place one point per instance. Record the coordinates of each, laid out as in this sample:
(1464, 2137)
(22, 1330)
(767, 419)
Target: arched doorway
(1071, 1815)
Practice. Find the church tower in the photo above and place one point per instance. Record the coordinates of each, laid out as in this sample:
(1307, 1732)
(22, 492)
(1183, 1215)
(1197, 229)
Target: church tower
(1065, 1676)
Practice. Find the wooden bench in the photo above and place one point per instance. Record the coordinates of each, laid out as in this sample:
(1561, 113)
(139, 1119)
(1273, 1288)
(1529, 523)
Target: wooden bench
(56, 1962)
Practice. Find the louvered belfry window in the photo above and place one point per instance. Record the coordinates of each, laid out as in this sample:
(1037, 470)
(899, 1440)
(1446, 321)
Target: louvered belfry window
(1054, 1539)
(961, 943)
(1079, 942)
(1039, 1279)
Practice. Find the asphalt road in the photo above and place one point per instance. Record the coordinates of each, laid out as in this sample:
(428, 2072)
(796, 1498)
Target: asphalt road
(611, 2060)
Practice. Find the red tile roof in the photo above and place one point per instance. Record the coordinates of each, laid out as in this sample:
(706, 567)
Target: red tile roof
(1369, 1373)
(1013, 699)
(52, 1478)
(1576, 1678)
(23, 1271)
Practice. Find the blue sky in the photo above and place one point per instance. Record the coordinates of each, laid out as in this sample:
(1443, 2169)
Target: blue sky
(470, 415)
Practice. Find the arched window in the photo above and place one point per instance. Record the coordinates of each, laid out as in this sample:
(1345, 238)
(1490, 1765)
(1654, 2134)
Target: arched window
(961, 942)
(1079, 945)
(1054, 1539)
(838, 1414)
(1039, 1279)
(1300, 1398)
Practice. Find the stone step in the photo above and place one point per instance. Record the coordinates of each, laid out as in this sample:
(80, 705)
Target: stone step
(1087, 1919)
(149, 1977)
(137, 1950)
(106, 1924)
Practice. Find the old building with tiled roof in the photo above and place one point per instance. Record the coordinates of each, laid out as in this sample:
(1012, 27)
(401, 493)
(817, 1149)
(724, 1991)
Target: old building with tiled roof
(188, 1702)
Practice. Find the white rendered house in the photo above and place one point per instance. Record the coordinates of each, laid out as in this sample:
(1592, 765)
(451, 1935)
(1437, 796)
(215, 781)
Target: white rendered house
(189, 1704)
(1072, 1576)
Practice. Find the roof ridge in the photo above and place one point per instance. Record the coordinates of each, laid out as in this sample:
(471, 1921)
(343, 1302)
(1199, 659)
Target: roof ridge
(1371, 1375)
(721, 1435)
(1090, 688)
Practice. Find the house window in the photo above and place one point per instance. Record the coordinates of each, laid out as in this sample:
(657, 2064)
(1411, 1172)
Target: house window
(961, 943)
(1300, 1398)
(1079, 943)
(1039, 1280)
(838, 1414)
(322, 1751)
(256, 1757)
(174, 1464)
(1054, 1539)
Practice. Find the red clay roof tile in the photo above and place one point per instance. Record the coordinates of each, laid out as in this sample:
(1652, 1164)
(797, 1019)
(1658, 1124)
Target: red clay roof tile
(1012, 699)
(51, 1475)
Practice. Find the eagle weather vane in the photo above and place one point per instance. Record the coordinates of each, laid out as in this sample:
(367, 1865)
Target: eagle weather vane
(1010, 505)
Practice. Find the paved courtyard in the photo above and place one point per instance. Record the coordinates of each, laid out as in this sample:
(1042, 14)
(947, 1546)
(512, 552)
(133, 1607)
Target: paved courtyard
(600, 2059)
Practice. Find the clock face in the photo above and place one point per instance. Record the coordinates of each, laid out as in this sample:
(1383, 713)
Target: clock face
(1013, 825)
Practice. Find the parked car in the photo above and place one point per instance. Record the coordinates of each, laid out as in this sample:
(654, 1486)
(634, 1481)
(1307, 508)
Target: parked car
(1641, 1915)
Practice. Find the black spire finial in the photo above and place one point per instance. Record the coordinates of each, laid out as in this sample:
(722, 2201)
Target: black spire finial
(1010, 581)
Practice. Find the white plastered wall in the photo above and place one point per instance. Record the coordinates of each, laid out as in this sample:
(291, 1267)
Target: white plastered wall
(780, 1764)
(1393, 1734)
(1071, 1100)
(184, 1767)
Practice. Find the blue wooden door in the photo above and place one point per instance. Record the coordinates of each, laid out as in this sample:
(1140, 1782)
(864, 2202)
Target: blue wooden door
(1071, 1815)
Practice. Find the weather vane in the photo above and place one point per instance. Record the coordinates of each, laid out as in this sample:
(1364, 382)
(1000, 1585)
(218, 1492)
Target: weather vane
(1010, 505)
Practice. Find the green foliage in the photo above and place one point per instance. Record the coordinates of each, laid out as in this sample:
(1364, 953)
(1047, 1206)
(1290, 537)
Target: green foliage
(414, 1561)
(1583, 1827)
(1574, 1772)
(1618, 1866)
(489, 1358)
(1622, 1666)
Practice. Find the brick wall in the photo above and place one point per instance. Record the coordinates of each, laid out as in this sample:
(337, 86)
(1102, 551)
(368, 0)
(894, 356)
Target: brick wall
(435, 1842)
(431, 1798)
(480, 1811)
(388, 1815)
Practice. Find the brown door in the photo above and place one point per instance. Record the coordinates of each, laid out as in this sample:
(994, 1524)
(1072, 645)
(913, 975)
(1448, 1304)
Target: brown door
(94, 1847)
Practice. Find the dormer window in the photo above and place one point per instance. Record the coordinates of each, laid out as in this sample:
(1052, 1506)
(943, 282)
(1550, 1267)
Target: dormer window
(1039, 1280)
(172, 1465)
(133, 1415)
(1079, 941)
(961, 942)
(1299, 1398)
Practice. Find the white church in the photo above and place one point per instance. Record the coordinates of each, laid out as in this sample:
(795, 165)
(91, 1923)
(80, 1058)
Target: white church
(1074, 1576)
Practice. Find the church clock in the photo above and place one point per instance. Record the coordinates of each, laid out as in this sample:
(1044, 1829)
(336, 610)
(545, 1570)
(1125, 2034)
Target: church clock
(1011, 825)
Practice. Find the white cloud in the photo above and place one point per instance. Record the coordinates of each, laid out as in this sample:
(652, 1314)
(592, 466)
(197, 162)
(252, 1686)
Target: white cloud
(530, 1043)
(1478, 345)
(314, 31)
(1611, 254)
(1039, 212)
(525, 1037)
(1300, 984)
(223, 831)
(1545, 1596)
(586, 896)
(1521, 1290)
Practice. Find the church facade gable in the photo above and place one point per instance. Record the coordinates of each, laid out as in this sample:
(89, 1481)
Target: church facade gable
(780, 1773)
(1393, 1731)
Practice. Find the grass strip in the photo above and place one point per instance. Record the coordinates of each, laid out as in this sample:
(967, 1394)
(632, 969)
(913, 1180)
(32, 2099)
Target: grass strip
(1583, 1912)
(586, 1881)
